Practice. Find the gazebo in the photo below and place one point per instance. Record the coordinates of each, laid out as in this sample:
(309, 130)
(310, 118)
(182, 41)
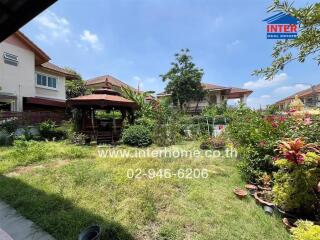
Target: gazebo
(100, 115)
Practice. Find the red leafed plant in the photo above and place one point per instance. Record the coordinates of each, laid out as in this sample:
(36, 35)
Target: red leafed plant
(292, 150)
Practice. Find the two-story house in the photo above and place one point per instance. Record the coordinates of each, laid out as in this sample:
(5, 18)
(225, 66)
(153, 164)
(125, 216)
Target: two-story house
(28, 81)
(215, 95)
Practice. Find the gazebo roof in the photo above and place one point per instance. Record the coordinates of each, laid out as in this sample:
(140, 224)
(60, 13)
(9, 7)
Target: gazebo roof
(102, 100)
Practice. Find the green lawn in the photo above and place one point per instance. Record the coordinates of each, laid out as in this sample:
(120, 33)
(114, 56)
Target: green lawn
(67, 190)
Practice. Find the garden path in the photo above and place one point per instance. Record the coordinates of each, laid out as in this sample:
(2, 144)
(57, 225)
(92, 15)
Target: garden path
(18, 227)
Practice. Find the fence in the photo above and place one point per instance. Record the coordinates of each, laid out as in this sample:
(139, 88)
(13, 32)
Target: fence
(30, 118)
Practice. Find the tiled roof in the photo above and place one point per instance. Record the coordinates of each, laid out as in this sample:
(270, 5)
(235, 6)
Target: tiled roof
(240, 90)
(104, 97)
(55, 68)
(303, 93)
(108, 80)
(209, 86)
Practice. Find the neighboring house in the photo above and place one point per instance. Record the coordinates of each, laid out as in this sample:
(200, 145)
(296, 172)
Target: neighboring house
(29, 82)
(310, 97)
(106, 81)
(215, 95)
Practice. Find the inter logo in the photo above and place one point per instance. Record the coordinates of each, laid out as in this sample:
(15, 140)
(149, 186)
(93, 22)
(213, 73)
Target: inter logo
(282, 26)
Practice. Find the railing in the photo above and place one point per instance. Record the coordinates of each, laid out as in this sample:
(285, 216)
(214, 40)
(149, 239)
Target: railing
(30, 118)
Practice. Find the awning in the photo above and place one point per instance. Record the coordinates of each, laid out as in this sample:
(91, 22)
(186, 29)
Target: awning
(16, 13)
(45, 101)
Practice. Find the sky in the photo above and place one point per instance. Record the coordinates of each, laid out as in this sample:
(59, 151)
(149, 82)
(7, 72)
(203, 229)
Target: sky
(135, 41)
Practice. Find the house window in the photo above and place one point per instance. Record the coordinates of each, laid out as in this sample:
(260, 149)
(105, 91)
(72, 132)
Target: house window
(46, 81)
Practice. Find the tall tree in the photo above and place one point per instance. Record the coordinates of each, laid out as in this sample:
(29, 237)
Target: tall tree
(75, 87)
(305, 45)
(184, 80)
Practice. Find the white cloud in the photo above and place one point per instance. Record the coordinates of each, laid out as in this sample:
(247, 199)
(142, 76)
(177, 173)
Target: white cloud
(263, 83)
(92, 39)
(266, 96)
(289, 90)
(52, 26)
(232, 45)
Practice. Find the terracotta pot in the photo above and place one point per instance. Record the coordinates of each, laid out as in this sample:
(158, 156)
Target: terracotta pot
(240, 193)
(289, 222)
(261, 201)
(251, 188)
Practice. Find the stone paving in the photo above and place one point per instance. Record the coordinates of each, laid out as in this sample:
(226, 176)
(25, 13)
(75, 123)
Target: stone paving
(17, 227)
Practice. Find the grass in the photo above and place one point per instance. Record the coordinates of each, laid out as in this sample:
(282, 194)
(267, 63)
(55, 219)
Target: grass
(64, 198)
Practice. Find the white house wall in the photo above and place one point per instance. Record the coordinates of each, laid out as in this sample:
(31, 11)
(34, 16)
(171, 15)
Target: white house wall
(18, 80)
(58, 93)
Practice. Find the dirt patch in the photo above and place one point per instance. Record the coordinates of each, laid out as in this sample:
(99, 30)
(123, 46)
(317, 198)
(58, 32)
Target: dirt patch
(26, 169)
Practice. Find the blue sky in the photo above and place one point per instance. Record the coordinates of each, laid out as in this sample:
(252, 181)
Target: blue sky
(135, 40)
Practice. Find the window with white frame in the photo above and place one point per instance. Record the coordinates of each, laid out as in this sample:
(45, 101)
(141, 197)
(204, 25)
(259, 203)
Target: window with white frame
(46, 81)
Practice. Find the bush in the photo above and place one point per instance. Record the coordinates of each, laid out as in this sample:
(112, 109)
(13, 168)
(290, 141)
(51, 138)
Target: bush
(5, 138)
(213, 143)
(9, 126)
(137, 135)
(147, 122)
(49, 131)
(306, 231)
(79, 138)
(295, 185)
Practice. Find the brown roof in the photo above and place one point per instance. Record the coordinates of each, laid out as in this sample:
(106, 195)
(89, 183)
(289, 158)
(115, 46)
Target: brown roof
(303, 93)
(52, 67)
(42, 57)
(240, 90)
(108, 80)
(45, 101)
(210, 87)
(102, 99)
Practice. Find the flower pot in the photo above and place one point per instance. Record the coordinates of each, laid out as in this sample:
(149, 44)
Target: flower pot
(251, 188)
(289, 222)
(91, 233)
(268, 210)
(261, 201)
(240, 193)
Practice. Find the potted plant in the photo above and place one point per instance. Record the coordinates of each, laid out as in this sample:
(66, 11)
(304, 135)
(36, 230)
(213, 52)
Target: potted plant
(91, 233)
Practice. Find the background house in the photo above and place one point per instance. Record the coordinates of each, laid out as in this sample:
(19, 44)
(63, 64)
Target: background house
(29, 82)
(215, 95)
(310, 97)
(106, 81)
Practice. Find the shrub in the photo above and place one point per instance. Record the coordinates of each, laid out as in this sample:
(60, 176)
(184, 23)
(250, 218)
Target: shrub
(48, 130)
(137, 135)
(295, 185)
(147, 122)
(213, 143)
(5, 138)
(79, 138)
(9, 126)
(306, 231)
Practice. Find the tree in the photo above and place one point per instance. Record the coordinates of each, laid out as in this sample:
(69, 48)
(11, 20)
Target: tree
(144, 107)
(75, 87)
(306, 44)
(184, 80)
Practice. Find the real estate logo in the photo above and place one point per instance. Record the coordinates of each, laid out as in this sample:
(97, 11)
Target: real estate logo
(282, 26)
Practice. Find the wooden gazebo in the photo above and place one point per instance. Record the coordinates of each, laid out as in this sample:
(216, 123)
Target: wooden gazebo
(104, 100)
